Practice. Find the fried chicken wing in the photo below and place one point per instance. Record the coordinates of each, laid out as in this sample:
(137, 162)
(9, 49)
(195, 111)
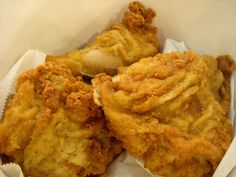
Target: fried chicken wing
(120, 44)
(53, 128)
(169, 110)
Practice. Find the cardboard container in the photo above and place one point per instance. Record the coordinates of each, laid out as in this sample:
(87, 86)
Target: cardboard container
(57, 26)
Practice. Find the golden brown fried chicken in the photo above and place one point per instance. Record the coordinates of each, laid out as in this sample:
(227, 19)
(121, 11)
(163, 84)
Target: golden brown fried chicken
(168, 110)
(121, 44)
(53, 128)
(226, 64)
(223, 68)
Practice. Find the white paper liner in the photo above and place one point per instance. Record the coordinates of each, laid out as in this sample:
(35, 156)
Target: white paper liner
(228, 162)
(172, 45)
(11, 170)
(124, 165)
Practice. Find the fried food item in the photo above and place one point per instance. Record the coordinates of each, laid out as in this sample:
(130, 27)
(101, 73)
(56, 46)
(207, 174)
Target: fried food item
(53, 128)
(226, 64)
(120, 44)
(224, 67)
(169, 110)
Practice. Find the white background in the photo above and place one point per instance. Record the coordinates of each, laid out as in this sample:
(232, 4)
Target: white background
(56, 26)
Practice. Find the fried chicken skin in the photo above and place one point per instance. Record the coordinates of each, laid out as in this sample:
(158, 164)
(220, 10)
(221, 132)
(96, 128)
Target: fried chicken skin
(120, 44)
(53, 128)
(169, 110)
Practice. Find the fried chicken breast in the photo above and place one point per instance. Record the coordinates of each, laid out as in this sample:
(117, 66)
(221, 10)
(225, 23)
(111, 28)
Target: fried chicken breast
(53, 128)
(120, 44)
(170, 110)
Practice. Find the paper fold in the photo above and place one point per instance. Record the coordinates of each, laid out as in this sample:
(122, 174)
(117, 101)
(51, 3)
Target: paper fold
(11, 170)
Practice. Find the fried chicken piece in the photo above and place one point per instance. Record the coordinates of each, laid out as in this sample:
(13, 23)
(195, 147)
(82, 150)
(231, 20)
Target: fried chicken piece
(226, 64)
(168, 110)
(120, 44)
(223, 68)
(53, 128)
(139, 17)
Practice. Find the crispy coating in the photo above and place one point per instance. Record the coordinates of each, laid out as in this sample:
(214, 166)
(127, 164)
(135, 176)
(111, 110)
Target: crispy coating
(226, 64)
(120, 44)
(53, 128)
(139, 17)
(168, 110)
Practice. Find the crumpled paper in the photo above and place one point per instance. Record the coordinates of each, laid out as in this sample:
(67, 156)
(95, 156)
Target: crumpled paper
(124, 165)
